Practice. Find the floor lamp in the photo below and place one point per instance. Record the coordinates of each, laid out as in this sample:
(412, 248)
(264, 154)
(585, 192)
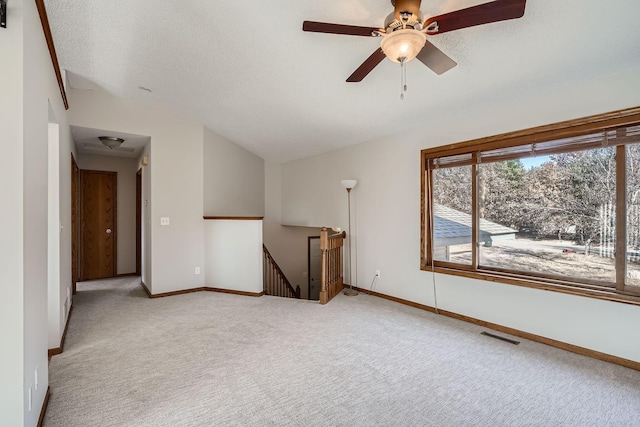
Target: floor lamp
(349, 184)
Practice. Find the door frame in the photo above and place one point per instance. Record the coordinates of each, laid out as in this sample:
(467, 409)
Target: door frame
(139, 222)
(75, 223)
(114, 207)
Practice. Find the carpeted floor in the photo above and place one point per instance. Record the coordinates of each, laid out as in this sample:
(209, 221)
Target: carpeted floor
(211, 359)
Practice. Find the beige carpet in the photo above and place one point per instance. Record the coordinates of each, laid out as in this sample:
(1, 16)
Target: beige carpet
(210, 359)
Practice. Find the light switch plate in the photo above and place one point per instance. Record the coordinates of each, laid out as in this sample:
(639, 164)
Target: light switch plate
(164, 220)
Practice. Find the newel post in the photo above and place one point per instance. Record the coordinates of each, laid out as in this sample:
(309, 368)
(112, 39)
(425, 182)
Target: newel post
(324, 245)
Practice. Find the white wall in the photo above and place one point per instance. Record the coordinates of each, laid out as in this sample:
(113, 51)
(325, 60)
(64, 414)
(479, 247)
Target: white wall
(126, 169)
(600, 325)
(59, 228)
(55, 312)
(233, 178)
(11, 220)
(28, 85)
(286, 244)
(38, 87)
(233, 255)
(59, 222)
(146, 214)
(386, 212)
(176, 176)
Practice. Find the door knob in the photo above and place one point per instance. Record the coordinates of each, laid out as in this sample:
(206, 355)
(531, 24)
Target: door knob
(108, 231)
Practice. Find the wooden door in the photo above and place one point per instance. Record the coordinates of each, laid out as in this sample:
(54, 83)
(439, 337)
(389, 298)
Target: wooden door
(98, 224)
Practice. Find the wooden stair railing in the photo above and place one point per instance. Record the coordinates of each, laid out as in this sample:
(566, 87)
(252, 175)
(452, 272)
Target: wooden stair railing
(275, 282)
(332, 281)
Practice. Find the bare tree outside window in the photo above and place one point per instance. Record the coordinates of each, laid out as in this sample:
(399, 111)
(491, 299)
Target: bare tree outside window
(555, 207)
(557, 218)
(633, 215)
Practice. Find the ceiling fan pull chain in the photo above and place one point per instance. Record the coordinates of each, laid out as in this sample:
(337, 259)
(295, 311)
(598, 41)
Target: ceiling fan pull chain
(403, 78)
(404, 75)
(401, 81)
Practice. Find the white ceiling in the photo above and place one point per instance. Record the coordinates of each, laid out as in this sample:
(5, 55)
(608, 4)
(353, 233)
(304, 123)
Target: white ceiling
(249, 72)
(87, 142)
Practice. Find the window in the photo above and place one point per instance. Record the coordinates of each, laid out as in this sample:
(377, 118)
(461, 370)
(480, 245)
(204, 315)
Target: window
(452, 214)
(555, 207)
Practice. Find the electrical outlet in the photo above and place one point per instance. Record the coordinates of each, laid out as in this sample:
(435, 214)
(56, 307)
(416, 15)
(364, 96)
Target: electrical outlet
(197, 270)
(164, 220)
(378, 274)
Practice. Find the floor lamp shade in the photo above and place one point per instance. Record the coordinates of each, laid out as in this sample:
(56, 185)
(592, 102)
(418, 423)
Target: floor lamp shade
(349, 184)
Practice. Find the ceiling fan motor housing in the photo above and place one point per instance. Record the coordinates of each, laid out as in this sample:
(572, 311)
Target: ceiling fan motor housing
(403, 39)
(406, 14)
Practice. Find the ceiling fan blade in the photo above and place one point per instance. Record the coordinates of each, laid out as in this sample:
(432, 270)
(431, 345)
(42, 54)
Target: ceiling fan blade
(369, 64)
(435, 59)
(349, 30)
(499, 10)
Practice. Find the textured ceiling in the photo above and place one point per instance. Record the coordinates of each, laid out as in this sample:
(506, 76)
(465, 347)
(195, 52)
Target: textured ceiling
(87, 142)
(248, 71)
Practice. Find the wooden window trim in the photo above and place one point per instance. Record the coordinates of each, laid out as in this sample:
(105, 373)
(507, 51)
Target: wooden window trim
(475, 217)
(569, 128)
(619, 292)
(621, 217)
(233, 218)
(630, 297)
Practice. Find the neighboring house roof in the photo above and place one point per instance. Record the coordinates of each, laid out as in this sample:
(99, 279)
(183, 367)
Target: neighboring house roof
(452, 223)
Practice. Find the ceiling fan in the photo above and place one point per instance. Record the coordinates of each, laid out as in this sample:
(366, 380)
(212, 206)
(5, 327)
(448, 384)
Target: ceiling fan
(404, 36)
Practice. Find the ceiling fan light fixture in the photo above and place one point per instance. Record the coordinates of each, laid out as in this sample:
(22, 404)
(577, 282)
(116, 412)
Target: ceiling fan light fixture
(111, 141)
(401, 44)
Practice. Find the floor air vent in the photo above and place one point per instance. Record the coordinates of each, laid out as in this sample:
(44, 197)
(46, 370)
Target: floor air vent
(514, 342)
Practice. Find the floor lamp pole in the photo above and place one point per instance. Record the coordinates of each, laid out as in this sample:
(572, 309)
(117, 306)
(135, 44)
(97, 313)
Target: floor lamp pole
(349, 292)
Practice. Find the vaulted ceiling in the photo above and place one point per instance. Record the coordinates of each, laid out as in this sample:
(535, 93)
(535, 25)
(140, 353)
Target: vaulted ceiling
(249, 72)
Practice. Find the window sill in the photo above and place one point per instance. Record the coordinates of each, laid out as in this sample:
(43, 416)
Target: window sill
(536, 283)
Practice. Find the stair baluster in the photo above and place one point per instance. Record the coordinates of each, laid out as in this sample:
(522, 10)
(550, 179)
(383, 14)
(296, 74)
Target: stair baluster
(275, 282)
